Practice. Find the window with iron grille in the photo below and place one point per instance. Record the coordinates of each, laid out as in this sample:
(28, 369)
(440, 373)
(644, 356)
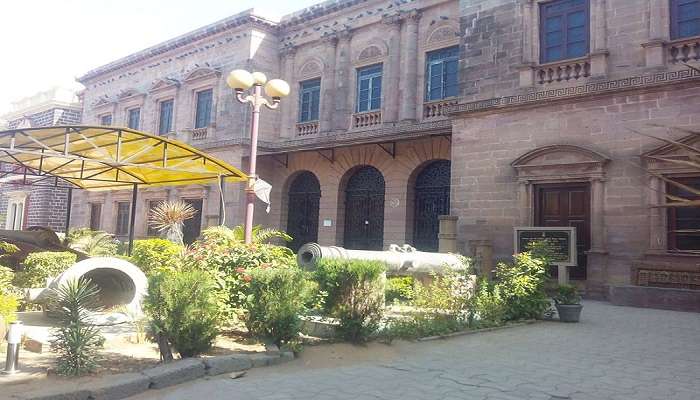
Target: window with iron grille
(369, 88)
(165, 117)
(203, 112)
(123, 213)
(441, 73)
(134, 118)
(684, 222)
(685, 18)
(95, 216)
(564, 30)
(309, 100)
(106, 120)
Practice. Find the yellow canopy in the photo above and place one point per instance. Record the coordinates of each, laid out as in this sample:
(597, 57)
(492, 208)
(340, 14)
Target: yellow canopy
(105, 158)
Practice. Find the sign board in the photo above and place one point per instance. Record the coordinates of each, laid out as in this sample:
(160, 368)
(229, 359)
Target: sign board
(559, 241)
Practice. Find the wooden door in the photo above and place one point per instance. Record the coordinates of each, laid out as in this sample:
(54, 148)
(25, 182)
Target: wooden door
(567, 205)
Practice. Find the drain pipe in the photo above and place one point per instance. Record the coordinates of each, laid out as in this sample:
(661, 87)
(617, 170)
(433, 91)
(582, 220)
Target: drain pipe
(14, 341)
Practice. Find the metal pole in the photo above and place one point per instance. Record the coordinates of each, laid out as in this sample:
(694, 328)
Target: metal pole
(222, 200)
(68, 210)
(134, 197)
(14, 342)
(249, 190)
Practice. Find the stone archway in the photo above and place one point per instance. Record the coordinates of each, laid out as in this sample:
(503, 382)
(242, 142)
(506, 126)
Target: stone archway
(431, 199)
(364, 209)
(304, 198)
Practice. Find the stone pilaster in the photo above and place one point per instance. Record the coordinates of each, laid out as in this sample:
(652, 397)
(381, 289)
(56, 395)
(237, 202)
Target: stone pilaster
(391, 86)
(657, 222)
(342, 81)
(409, 69)
(525, 202)
(328, 83)
(598, 215)
(289, 106)
(654, 52)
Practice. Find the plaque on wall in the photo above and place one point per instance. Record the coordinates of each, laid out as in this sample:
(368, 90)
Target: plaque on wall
(560, 242)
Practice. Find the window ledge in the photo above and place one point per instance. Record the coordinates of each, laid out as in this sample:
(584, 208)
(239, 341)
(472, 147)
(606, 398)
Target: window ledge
(307, 128)
(683, 50)
(594, 64)
(668, 253)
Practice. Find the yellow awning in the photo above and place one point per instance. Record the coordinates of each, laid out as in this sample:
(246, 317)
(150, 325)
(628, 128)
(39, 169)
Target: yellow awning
(107, 158)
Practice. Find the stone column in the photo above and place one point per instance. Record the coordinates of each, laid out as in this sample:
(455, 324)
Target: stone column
(289, 106)
(328, 84)
(342, 80)
(654, 53)
(447, 236)
(599, 38)
(391, 86)
(409, 69)
(526, 70)
(598, 215)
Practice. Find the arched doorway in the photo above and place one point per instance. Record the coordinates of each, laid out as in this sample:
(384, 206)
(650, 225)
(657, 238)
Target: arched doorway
(432, 199)
(364, 210)
(302, 215)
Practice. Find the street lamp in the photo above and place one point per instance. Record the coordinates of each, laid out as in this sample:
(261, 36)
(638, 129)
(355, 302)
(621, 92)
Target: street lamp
(241, 80)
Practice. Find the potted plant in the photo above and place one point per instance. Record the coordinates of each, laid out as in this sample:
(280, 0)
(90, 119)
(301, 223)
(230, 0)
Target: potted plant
(568, 303)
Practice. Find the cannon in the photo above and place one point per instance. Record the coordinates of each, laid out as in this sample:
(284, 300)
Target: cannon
(121, 283)
(399, 260)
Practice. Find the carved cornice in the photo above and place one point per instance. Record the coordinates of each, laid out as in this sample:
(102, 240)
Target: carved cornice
(588, 89)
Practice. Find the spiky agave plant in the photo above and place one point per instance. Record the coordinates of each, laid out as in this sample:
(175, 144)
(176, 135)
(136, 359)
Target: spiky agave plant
(169, 218)
(92, 243)
(77, 340)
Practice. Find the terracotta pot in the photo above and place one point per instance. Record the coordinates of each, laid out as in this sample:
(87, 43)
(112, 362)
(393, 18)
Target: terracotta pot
(569, 312)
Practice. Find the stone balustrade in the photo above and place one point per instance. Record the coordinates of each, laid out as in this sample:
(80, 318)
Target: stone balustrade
(435, 109)
(684, 50)
(563, 71)
(366, 119)
(307, 128)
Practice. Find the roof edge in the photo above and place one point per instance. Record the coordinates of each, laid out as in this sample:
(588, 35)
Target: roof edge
(234, 21)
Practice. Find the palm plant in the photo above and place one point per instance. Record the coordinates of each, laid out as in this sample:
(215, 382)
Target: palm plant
(224, 235)
(77, 339)
(169, 218)
(92, 243)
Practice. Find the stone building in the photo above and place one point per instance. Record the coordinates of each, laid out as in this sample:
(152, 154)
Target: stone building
(24, 206)
(501, 112)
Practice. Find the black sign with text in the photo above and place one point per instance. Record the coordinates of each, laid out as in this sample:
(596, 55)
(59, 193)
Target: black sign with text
(556, 243)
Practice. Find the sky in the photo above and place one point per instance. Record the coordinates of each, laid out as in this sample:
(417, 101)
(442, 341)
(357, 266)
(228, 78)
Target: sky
(47, 43)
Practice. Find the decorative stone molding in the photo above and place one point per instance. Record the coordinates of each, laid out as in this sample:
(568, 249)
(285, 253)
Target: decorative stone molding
(560, 162)
(162, 84)
(654, 160)
(371, 53)
(444, 35)
(588, 89)
(103, 102)
(310, 69)
(202, 73)
(128, 94)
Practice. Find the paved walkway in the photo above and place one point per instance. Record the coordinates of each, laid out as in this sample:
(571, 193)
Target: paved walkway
(614, 353)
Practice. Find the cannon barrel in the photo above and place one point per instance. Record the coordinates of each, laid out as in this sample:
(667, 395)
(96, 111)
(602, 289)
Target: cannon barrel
(399, 260)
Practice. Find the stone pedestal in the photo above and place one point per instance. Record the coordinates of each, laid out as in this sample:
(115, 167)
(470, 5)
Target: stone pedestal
(482, 251)
(448, 234)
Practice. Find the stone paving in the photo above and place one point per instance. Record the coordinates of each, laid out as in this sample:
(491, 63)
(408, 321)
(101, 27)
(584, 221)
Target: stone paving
(614, 353)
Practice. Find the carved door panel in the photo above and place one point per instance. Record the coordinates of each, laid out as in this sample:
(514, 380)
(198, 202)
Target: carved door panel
(364, 210)
(302, 215)
(432, 199)
(567, 205)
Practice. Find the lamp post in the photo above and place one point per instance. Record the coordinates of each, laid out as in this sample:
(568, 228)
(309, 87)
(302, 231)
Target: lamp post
(241, 80)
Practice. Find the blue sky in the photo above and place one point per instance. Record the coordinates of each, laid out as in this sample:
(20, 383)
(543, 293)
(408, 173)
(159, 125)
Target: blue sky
(50, 42)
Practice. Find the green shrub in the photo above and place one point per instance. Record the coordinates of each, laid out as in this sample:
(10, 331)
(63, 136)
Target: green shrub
(487, 307)
(6, 278)
(156, 255)
(399, 288)
(522, 287)
(8, 307)
(227, 259)
(38, 267)
(355, 295)
(277, 297)
(92, 243)
(77, 340)
(567, 295)
(183, 312)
